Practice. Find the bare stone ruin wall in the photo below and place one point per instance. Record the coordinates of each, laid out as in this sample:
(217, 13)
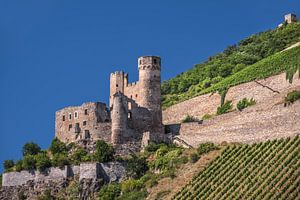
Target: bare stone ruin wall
(208, 103)
(268, 119)
(90, 120)
(109, 172)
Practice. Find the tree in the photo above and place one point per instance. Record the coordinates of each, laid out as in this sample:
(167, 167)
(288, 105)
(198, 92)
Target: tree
(19, 165)
(60, 160)
(57, 146)
(29, 162)
(42, 161)
(78, 156)
(104, 152)
(136, 166)
(8, 164)
(31, 148)
(110, 191)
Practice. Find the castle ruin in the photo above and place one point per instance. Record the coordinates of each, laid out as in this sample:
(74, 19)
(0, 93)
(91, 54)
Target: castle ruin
(134, 117)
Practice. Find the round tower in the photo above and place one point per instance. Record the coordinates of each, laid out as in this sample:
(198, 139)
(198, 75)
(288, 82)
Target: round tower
(149, 86)
(118, 118)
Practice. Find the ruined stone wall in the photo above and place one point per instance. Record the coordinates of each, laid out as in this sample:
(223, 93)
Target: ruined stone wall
(90, 120)
(262, 91)
(109, 172)
(268, 119)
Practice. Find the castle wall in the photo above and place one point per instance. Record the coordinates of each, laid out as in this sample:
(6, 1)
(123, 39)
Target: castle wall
(90, 120)
(262, 91)
(268, 119)
(110, 172)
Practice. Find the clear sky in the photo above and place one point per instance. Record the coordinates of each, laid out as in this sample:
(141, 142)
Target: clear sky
(57, 53)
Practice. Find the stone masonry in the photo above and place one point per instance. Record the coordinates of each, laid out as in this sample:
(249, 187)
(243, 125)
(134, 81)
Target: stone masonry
(109, 172)
(134, 117)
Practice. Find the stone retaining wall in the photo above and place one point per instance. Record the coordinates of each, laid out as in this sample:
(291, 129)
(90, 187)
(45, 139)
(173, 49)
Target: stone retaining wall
(109, 172)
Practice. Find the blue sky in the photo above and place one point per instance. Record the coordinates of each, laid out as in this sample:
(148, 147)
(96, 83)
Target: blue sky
(59, 53)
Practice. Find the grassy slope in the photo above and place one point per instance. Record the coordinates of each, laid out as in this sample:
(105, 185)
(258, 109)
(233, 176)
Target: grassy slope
(269, 170)
(223, 65)
(267, 67)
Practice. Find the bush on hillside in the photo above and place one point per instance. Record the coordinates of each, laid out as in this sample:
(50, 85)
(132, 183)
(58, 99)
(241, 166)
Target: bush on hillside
(110, 191)
(244, 103)
(292, 96)
(205, 148)
(0, 180)
(31, 148)
(42, 161)
(136, 166)
(207, 116)
(194, 157)
(79, 155)
(57, 146)
(104, 152)
(60, 160)
(225, 108)
(29, 162)
(189, 118)
(8, 164)
(19, 165)
(131, 185)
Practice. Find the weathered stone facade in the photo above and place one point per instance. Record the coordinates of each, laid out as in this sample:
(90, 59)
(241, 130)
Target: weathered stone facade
(290, 18)
(109, 172)
(135, 113)
(86, 122)
(266, 120)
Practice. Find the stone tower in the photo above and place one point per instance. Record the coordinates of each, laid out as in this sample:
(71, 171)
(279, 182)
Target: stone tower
(149, 87)
(119, 116)
(118, 81)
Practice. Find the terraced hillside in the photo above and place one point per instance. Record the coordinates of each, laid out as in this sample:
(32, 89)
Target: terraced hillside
(269, 170)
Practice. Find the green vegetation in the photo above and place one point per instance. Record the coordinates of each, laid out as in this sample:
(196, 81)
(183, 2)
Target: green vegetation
(189, 118)
(31, 148)
(58, 155)
(244, 103)
(8, 165)
(206, 147)
(207, 116)
(268, 170)
(225, 108)
(110, 191)
(0, 180)
(234, 63)
(292, 97)
(136, 166)
(104, 152)
(42, 161)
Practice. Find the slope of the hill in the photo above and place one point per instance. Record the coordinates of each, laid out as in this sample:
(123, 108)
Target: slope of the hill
(269, 170)
(234, 59)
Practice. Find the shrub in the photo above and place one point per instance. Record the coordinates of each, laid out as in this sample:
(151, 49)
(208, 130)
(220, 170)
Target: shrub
(72, 191)
(60, 160)
(205, 148)
(226, 107)
(110, 191)
(152, 147)
(136, 166)
(194, 157)
(207, 116)
(79, 155)
(46, 195)
(19, 165)
(29, 162)
(0, 180)
(135, 195)
(42, 161)
(292, 96)
(57, 146)
(104, 152)
(244, 103)
(31, 148)
(8, 164)
(189, 118)
(131, 185)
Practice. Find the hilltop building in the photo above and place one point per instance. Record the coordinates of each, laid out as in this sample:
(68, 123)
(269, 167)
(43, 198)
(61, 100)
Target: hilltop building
(134, 117)
(289, 18)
